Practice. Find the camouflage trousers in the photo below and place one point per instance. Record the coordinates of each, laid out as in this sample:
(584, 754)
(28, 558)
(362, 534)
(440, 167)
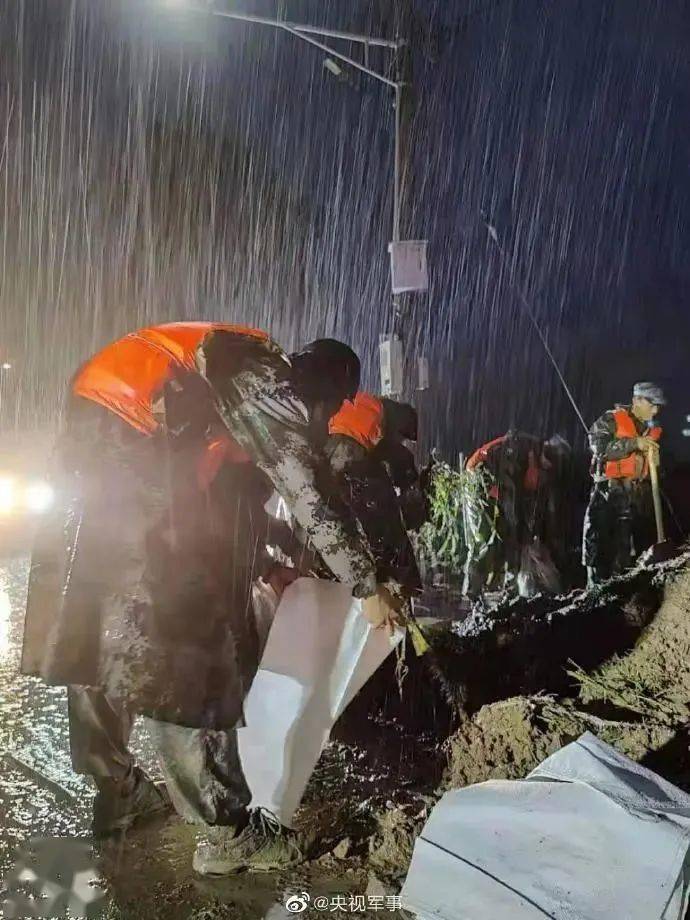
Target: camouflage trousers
(619, 525)
(201, 767)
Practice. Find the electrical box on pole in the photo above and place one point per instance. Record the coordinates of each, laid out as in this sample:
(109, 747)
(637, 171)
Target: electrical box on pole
(391, 358)
(408, 266)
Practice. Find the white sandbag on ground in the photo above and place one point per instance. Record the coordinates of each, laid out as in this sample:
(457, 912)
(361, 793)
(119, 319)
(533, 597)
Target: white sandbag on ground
(320, 652)
(589, 835)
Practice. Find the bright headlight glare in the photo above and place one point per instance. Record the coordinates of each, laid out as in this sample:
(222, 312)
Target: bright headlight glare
(39, 497)
(7, 495)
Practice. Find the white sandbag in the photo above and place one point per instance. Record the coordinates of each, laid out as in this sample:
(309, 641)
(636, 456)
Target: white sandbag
(589, 835)
(320, 652)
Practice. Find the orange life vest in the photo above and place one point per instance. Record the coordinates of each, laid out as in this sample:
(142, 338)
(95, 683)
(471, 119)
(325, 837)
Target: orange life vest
(532, 477)
(480, 455)
(635, 465)
(360, 419)
(128, 375)
(222, 449)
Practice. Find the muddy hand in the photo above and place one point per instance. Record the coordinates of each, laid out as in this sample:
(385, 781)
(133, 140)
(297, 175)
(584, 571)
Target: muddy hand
(382, 610)
(649, 447)
(280, 577)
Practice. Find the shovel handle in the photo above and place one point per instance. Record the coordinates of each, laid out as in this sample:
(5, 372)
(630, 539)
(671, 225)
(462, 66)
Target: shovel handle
(656, 495)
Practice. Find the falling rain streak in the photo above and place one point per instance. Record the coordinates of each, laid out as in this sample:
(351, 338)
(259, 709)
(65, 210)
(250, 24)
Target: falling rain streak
(156, 165)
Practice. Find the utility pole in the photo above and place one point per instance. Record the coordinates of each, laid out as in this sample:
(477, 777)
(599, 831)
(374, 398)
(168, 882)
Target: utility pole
(415, 377)
(408, 255)
(404, 114)
(404, 111)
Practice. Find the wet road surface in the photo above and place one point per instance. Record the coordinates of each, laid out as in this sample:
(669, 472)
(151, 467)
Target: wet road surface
(39, 794)
(149, 875)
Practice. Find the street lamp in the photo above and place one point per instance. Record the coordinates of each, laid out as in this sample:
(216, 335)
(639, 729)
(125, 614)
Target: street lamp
(313, 35)
(403, 255)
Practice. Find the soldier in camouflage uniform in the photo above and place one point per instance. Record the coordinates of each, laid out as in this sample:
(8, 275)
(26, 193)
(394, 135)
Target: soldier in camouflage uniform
(504, 474)
(141, 580)
(401, 424)
(375, 475)
(619, 523)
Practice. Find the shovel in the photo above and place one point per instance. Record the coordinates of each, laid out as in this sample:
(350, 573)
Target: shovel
(663, 548)
(656, 495)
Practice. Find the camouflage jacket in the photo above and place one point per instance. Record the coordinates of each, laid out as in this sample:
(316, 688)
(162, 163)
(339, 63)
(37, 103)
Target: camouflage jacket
(605, 445)
(261, 409)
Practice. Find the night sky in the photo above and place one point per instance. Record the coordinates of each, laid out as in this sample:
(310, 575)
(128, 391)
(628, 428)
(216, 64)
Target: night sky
(155, 166)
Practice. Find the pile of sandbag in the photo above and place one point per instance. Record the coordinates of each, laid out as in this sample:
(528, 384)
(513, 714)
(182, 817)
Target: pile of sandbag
(589, 835)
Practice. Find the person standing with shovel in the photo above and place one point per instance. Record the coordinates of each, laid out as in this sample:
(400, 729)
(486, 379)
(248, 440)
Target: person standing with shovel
(624, 516)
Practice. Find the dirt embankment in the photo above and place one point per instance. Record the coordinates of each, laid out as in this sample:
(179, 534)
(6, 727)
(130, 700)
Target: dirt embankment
(637, 699)
(506, 688)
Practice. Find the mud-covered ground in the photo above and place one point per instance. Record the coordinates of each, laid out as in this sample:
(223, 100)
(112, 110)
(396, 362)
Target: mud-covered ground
(148, 875)
(498, 693)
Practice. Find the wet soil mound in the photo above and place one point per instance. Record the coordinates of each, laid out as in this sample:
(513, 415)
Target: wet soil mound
(505, 688)
(526, 647)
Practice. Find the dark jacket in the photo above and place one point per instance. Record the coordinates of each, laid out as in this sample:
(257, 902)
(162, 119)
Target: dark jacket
(401, 467)
(364, 483)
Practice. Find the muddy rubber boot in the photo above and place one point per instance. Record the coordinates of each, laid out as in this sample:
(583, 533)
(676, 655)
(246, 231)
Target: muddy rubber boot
(263, 845)
(120, 805)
